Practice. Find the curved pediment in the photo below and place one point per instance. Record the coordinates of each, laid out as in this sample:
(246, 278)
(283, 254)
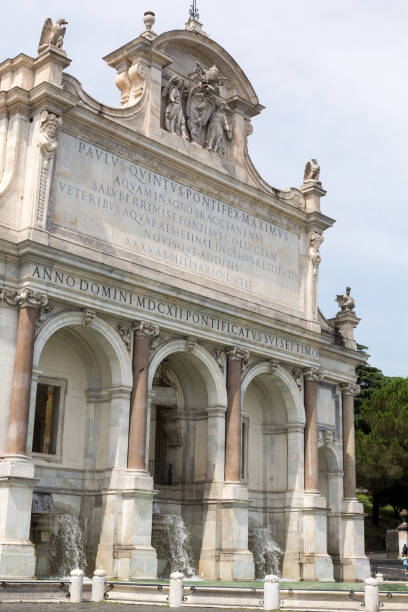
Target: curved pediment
(189, 47)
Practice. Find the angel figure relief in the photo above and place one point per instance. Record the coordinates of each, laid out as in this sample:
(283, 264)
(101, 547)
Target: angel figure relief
(205, 109)
(218, 124)
(174, 119)
(52, 34)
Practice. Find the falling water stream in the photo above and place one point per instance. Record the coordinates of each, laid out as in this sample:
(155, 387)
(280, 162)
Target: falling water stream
(175, 544)
(267, 553)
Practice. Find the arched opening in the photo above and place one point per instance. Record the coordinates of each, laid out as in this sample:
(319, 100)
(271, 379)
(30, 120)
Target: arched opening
(185, 387)
(78, 433)
(272, 460)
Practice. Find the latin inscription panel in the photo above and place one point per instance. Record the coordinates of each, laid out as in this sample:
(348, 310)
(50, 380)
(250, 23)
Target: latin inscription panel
(121, 204)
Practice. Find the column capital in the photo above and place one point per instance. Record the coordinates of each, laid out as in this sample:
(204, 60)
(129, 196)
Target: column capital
(24, 298)
(238, 353)
(350, 389)
(313, 374)
(145, 328)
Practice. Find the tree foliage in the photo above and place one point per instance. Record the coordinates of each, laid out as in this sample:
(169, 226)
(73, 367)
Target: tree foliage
(382, 445)
(369, 378)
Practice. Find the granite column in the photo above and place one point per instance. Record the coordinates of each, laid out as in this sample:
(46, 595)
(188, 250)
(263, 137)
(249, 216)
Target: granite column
(349, 453)
(311, 446)
(143, 332)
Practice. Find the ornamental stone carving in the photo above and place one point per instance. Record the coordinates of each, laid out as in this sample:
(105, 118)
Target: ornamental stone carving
(196, 110)
(297, 375)
(236, 352)
(25, 298)
(273, 366)
(219, 357)
(87, 316)
(312, 172)
(43, 314)
(125, 334)
(190, 344)
(345, 301)
(315, 241)
(145, 328)
(48, 144)
(326, 437)
(174, 120)
(174, 432)
(52, 34)
(350, 389)
(314, 374)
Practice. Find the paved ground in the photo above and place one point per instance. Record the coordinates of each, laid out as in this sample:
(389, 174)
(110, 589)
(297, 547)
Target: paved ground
(86, 607)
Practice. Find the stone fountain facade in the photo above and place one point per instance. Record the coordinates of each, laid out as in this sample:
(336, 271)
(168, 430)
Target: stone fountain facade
(161, 340)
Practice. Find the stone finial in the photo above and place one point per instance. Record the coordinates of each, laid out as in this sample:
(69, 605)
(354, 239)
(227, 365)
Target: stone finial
(312, 172)
(346, 319)
(403, 514)
(52, 34)
(149, 19)
(345, 301)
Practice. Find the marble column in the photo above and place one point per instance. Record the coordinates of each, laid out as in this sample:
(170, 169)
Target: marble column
(143, 333)
(17, 557)
(349, 453)
(233, 424)
(311, 447)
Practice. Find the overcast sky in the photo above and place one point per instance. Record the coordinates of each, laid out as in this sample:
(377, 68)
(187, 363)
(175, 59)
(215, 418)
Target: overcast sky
(333, 78)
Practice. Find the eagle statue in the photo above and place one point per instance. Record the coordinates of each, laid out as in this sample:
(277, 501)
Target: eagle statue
(312, 171)
(52, 34)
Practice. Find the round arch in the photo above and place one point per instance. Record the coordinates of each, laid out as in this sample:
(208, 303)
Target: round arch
(115, 350)
(211, 373)
(285, 383)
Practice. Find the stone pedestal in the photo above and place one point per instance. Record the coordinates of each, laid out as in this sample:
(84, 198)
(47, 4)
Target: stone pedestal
(355, 565)
(125, 548)
(236, 561)
(17, 555)
(317, 563)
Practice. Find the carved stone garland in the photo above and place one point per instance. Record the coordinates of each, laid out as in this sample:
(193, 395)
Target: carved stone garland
(315, 241)
(48, 143)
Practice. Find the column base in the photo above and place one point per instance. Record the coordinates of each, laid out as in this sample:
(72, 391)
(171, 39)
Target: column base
(17, 560)
(237, 566)
(355, 569)
(317, 564)
(17, 554)
(135, 562)
(291, 567)
(317, 567)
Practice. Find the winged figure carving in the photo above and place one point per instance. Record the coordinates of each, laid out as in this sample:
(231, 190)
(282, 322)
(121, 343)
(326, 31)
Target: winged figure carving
(312, 171)
(52, 34)
(207, 76)
(345, 301)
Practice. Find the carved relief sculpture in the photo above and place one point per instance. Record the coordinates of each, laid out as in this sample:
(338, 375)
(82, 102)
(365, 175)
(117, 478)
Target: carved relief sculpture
(312, 172)
(48, 143)
(52, 34)
(205, 109)
(315, 241)
(218, 124)
(346, 302)
(174, 120)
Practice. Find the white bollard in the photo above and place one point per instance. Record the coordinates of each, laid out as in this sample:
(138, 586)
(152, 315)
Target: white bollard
(75, 588)
(176, 590)
(271, 593)
(98, 585)
(379, 577)
(371, 595)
